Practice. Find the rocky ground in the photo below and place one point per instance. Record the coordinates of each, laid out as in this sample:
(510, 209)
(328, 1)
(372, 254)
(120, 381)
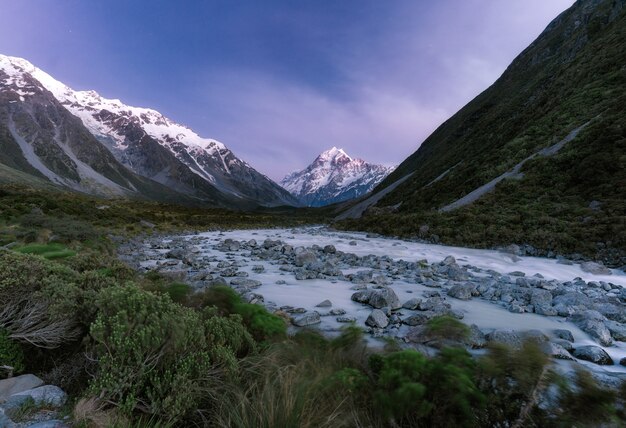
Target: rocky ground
(26, 402)
(592, 313)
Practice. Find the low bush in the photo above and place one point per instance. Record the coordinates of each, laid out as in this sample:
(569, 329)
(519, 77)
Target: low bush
(262, 325)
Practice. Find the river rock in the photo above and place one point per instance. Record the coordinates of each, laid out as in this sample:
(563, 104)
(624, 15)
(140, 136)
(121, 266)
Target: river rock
(592, 322)
(476, 338)
(595, 268)
(362, 296)
(557, 351)
(463, 291)
(345, 319)
(377, 319)
(617, 330)
(412, 304)
(309, 318)
(305, 257)
(595, 354)
(505, 336)
(564, 334)
(325, 304)
(385, 297)
(330, 249)
(418, 319)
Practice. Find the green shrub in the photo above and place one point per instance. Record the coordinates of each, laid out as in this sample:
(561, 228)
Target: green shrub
(153, 354)
(262, 325)
(10, 353)
(48, 251)
(412, 389)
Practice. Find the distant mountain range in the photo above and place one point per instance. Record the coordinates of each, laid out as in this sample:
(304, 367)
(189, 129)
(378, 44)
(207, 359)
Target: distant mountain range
(334, 177)
(80, 140)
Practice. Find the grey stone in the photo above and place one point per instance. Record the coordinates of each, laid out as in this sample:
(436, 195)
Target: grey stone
(592, 322)
(595, 268)
(305, 257)
(412, 304)
(337, 311)
(507, 337)
(362, 296)
(384, 297)
(463, 291)
(330, 249)
(557, 351)
(617, 330)
(377, 319)
(476, 338)
(245, 282)
(564, 334)
(595, 354)
(309, 318)
(539, 297)
(48, 395)
(450, 260)
(418, 319)
(325, 304)
(18, 384)
(345, 319)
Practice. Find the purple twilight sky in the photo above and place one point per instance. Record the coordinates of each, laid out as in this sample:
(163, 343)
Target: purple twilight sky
(280, 81)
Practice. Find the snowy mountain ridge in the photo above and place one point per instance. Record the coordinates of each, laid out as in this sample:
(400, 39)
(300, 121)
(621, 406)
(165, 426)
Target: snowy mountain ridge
(123, 130)
(334, 177)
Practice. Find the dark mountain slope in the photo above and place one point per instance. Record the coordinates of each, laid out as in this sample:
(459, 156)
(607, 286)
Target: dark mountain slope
(572, 74)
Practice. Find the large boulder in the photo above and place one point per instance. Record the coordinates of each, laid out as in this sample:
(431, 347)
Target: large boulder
(18, 384)
(617, 330)
(304, 258)
(507, 337)
(385, 297)
(463, 291)
(48, 395)
(595, 354)
(377, 319)
(592, 323)
(309, 318)
(595, 268)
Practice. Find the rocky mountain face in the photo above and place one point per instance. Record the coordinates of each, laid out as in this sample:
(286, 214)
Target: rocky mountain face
(140, 142)
(536, 159)
(334, 177)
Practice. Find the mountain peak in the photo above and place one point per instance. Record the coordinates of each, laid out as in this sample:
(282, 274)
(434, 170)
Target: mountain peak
(334, 177)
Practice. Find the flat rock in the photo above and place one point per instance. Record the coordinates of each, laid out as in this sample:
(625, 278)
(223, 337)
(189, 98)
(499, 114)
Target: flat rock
(48, 395)
(412, 304)
(507, 337)
(595, 268)
(306, 319)
(18, 384)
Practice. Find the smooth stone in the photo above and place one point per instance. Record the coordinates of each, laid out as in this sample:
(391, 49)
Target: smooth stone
(306, 319)
(49, 395)
(18, 384)
(325, 304)
(595, 354)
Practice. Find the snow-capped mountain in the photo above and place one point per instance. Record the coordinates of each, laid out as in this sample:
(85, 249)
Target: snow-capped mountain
(334, 177)
(148, 143)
